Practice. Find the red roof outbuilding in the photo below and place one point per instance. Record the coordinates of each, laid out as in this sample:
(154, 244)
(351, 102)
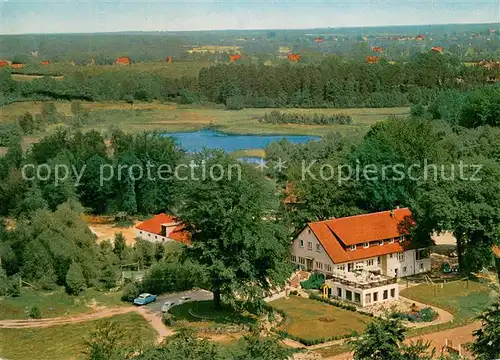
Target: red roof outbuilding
(4, 63)
(156, 223)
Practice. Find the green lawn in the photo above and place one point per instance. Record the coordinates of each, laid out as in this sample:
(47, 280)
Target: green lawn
(464, 301)
(311, 320)
(174, 118)
(202, 314)
(66, 342)
(55, 303)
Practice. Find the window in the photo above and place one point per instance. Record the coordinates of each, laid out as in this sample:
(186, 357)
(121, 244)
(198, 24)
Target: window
(302, 261)
(381, 242)
(357, 298)
(352, 247)
(369, 262)
(386, 294)
(341, 267)
(359, 265)
(301, 243)
(390, 256)
(401, 256)
(309, 245)
(328, 268)
(375, 296)
(318, 248)
(366, 245)
(156, 237)
(421, 266)
(393, 293)
(140, 232)
(308, 231)
(349, 267)
(404, 269)
(319, 265)
(422, 254)
(149, 235)
(339, 292)
(391, 241)
(294, 258)
(379, 260)
(348, 295)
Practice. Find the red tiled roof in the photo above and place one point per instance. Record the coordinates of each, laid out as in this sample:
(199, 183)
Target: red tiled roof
(337, 234)
(154, 224)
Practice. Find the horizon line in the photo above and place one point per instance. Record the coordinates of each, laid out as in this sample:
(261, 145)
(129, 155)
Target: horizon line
(254, 29)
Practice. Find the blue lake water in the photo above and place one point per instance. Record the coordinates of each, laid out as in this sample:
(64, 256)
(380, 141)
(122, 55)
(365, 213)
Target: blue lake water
(195, 141)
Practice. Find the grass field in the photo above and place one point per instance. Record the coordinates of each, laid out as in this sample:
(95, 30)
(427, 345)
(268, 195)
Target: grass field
(66, 342)
(175, 118)
(55, 303)
(311, 320)
(464, 301)
(201, 315)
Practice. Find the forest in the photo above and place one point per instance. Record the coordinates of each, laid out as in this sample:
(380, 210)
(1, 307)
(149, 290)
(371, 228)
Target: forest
(335, 82)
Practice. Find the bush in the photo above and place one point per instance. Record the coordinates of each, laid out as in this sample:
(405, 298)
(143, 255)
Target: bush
(428, 314)
(314, 282)
(278, 117)
(75, 281)
(15, 287)
(35, 313)
(130, 292)
(236, 102)
(170, 276)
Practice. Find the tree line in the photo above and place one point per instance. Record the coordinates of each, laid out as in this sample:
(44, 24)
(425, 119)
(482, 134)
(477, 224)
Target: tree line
(333, 82)
(278, 117)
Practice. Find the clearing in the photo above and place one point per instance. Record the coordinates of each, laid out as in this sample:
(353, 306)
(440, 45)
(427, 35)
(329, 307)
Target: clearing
(313, 320)
(57, 303)
(67, 342)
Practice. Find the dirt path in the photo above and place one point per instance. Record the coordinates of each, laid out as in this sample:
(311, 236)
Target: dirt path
(153, 319)
(459, 335)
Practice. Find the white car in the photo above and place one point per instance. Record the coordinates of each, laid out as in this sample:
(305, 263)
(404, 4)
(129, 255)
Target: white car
(167, 306)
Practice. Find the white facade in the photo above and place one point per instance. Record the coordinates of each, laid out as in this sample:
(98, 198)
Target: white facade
(156, 238)
(363, 296)
(308, 253)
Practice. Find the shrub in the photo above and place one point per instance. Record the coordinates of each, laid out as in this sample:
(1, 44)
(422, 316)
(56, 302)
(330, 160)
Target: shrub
(35, 313)
(75, 281)
(236, 102)
(130, 291)
(278, 117)
(314, 282)
(428, 314)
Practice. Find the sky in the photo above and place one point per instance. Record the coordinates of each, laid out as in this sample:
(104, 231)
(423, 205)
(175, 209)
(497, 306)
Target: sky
(77, 16)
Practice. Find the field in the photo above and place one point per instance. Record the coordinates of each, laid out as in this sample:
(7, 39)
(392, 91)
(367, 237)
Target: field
(56, 303)
(175, 118)
(66, 342)
(464, 301)
(312, 320)
(174, 69)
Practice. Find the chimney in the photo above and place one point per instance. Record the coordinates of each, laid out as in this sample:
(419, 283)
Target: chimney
(392, 213)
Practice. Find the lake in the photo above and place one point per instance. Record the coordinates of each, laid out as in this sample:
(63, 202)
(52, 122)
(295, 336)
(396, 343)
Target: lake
(211, 139)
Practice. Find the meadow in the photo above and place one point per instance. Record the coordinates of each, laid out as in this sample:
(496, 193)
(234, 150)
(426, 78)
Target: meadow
(171, 117)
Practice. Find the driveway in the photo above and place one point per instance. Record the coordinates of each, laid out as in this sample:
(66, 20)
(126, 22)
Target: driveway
(195, 295)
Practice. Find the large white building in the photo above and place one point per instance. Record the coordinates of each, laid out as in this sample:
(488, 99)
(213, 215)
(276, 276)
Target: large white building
(377, 243)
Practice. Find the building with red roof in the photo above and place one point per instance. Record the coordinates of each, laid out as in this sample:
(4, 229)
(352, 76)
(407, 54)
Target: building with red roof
(162, 228)
(123, 60)
(367, 251)
(4, 63)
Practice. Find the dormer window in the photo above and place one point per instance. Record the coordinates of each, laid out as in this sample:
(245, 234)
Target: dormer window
(352, 247)
(401, 238)
(366, 245)
(391, 241)
(381, 242)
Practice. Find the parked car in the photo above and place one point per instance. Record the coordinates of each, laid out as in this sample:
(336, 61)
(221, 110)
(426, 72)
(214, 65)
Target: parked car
(167, 306)
(144, 299)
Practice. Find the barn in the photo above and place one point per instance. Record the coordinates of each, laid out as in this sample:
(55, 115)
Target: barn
(123, 60)
(4, 63)
(17, 66)
(45, 62)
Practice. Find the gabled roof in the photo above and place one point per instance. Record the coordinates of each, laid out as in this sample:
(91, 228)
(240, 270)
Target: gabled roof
(154, 224)
(337, 235)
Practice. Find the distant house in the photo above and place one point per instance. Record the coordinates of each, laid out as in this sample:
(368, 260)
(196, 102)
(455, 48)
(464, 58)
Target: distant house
(123, 60)
(234, 57)
(17, 66)
(45, 62)
(371, 59)
(319, 40)
(361, 256)
(169, 59)
(162, 228)
(294, 57)
(438, 49)
(420, 37)
(4, 63)
(377, 49)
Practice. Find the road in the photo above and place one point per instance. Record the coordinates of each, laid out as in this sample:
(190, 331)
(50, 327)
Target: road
(195, 295)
